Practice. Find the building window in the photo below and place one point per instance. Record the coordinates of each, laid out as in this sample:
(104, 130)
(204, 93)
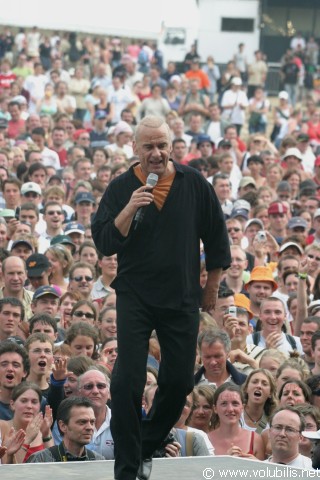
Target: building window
(237, 24)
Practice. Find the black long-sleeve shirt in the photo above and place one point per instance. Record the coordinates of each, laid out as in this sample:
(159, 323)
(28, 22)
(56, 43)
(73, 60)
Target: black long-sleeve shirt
(159, 260)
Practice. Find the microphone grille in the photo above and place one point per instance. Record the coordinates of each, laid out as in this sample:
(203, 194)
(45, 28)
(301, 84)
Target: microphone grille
(152, 179)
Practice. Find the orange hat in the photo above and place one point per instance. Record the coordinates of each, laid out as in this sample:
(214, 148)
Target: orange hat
(262, 274)
(242, 301)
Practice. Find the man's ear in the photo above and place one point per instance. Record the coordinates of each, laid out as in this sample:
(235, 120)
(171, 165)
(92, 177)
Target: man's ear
(62, 426)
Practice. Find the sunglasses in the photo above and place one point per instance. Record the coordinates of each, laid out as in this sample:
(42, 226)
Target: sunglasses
(234, 229)
(85, 277)
(80, 314)
(313, 257)
(52, 212)
(90, 386)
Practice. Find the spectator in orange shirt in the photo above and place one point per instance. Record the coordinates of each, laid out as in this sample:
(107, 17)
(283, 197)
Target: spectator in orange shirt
(196, 72)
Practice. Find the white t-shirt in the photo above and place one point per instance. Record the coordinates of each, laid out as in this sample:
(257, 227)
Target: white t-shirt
(283, 347)
(301, 461)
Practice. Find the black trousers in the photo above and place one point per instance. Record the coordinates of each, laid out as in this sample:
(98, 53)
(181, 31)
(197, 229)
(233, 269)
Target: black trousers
(177, 333)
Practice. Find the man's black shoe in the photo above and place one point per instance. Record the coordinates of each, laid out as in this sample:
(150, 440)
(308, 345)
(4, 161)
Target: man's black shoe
(145, 468)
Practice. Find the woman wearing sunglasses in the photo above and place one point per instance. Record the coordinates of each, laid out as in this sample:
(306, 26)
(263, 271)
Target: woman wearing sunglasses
(84, 311)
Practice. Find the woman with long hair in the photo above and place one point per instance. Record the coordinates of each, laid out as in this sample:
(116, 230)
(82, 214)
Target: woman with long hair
(293, 368)
(202, 408)
(61, 261)
(260, 399)
(227, 435)
(83, 339)
(25, 403)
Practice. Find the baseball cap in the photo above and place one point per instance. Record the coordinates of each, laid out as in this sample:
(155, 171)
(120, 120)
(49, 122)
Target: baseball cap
(100, 115)
(291, 244)
(240, 203)
(245, 181)
(62, 240)
(283, 186)
(239, 212)
(45, 290)
(7, 213)
(236, 81)
(254, 220)
(202, 138)
(36, 264)
(297, 222)
(21, 242)
(311, 434)
(84, 197)
(277, 207)
(224, 144)
(283, 94)
(262, 274)
(303, 137)
(74, 227)
(30, 187)
(293, 152)
(122, 127)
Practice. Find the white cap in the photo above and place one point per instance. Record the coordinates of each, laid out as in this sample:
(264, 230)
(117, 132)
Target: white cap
(293, 152)
(236, 81)
(283, 94)
(31, 187)
(311, 434)
(254, 220)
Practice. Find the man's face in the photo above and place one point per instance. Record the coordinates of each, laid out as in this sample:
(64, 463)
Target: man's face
(238, 264)
(285, 443)
(41, 280)
(222, 304)
(46, 304)
(29, 216)
(83, 171)
(214, 113)
(22, 250)
(306, 332)
(41, 357)
(58, 137)
(109, 265)
(82, 280)
(195, 123)
(272, 316)
(205, 149)
(39, 177)
(84, 209)
(80, 427)
(14, 111)
(153, 147)
(11, 370)
(222, 189)
(226, 165)
(214, 358)
(179, 151)
(40, 327)
(235, 232)
(316, 225)
(288, 264)
(38, 140)
(242, 329)
(93, 385)
(11, 194)
(258, 291)
(10, 317)
(311, 205)
(316, 353)
(14, 275)
(252, 231)
(53, 217)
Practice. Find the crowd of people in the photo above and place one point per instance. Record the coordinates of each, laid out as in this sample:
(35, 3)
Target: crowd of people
(69, 109)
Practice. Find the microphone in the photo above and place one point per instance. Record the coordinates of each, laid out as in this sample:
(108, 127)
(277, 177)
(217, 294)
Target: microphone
(152, 181)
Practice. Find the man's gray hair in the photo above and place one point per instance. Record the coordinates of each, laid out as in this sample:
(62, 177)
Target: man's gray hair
(94, 369)
(213, 335)
(151, 121)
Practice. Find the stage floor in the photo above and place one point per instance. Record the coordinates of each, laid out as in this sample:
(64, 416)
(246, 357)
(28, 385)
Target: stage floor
(195, 468)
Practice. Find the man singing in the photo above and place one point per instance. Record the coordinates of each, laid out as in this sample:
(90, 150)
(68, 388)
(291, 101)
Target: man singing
(157, 287)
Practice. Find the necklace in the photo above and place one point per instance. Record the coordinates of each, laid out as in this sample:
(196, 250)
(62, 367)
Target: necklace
(253, 421)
